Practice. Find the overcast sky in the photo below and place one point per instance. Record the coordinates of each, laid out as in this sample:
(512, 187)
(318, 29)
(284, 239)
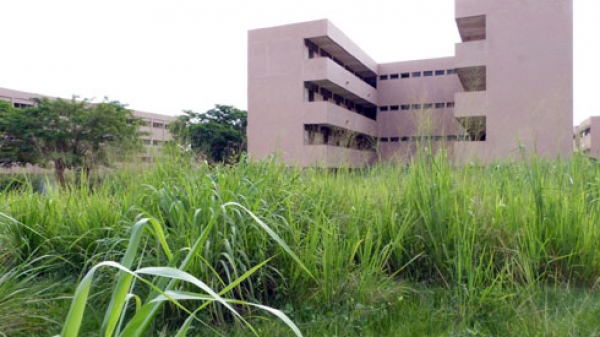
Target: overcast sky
(167, 56)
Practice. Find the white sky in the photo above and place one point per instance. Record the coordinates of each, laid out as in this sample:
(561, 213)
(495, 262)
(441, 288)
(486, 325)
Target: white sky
(166, 56)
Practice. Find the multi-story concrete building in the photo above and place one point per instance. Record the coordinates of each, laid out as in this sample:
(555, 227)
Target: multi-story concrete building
(156, 124)
(314, 97)
(586, 137)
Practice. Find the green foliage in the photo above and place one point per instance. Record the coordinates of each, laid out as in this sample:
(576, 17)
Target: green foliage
(422, 249)
(219, 133)
(70, 134)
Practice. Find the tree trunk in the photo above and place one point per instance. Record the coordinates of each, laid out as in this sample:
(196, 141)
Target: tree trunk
(59, 172)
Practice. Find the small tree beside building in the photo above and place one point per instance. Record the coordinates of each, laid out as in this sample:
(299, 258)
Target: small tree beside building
(219, 134)
(69, 134)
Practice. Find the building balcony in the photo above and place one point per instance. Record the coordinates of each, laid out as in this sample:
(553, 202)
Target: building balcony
(334, 156)
(331, 114)
(470, 8)
(325, 73)
(469, 104)
(471, 54)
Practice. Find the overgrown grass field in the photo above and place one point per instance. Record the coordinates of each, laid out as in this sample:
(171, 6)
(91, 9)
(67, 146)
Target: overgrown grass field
(425, 249)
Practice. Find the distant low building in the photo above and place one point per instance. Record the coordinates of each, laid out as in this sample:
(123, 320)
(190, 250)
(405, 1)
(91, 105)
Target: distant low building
(156, 124)
(586, 137)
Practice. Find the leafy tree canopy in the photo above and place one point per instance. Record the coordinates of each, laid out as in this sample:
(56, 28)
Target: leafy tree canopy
(71, 134)
(219, 133)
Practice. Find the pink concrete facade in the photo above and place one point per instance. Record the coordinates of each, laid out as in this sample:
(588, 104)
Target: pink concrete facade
(315, 98)
(586, 137)
(156, 126)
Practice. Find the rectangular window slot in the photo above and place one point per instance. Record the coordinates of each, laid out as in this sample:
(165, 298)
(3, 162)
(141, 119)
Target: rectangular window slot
(451, 71)
(405, 75)
(416, 106)
(440, 105)
(383, 108)
(428, 73)
(427, 106)
(394, 76)
(416, 74)
(395, 139)
(440, 72)
(394, 107)
(405, 106)
(383, 77)
(385, 140)
(450, 105)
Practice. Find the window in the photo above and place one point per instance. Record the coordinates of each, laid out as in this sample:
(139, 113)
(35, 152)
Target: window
(383, 77)
(416, 106)
(395, 139)
(405, 139)
(385, 139)
(405, 106)
(416, 74)
(383, 108)
(440, 105)
(450, 105)
(440, 72)
(405, 75)
(158, 125)
(394, 107)
(428, 73)
(451, 71)
(475, 128)
(393, 76)
(22, 105)
(427, 106)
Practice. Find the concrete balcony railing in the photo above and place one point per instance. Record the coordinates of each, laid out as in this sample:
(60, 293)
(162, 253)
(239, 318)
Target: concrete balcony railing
(468, 104)
(466, 8)
(323, 70)
(331, 114)
(471, 54)
(334, 156)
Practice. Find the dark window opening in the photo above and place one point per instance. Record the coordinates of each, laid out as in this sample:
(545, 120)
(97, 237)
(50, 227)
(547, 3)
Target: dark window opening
(372, 81)
(324, 134)
(405, 107)
(405, 75)
(450, 105)
(395, 139)
(383, 77)
(416, 74)
(428, 73)
(314, 51)
(385, 139)
(394, 76)
(22, 105)
(394, 107)
(416, 106)
(383, 108)
(474, 127)
(439, 72)
(440, 105)
(451, 71)
(427, 106)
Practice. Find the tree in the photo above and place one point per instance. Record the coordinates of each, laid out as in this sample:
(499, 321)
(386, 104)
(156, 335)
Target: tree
(219, 133)
(71, 134)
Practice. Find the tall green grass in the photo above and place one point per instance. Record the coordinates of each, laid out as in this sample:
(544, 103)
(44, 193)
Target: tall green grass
(358, 245)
